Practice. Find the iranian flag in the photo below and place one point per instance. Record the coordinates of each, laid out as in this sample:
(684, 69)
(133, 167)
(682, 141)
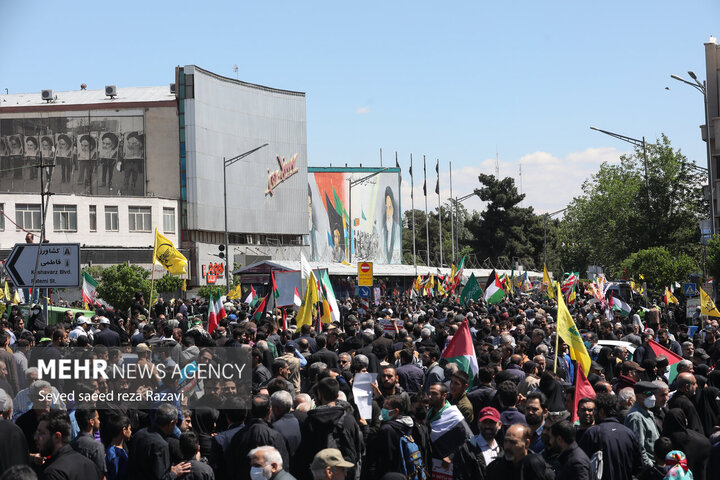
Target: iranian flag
(618, 305)
(493, 289)
(673, 358)
(297, 299)
(212, 315)
(252, 297)
(220, 309)
(461, 351)
(89, 292)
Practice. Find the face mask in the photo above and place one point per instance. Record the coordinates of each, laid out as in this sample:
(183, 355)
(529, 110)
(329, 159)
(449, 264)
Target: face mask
(649, 402)
(256, 473)
(385, 414)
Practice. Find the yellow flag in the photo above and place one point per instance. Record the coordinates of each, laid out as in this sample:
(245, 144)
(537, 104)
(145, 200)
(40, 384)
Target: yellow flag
(6, 293)
(441, 289)
(305, 315)
(669, 297)
(569, 333)
(707, 306)
(165, 254)
(16, 297)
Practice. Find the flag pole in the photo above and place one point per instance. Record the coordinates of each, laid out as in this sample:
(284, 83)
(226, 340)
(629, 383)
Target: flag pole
(152, 271)
(452, 222)
(557, 339)
(437, 187)
(427, 220)
(412, 211)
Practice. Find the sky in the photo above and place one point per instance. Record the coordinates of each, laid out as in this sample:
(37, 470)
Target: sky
(461, 82)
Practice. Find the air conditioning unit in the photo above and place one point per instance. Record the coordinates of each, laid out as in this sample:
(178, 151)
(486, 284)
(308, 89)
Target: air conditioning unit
(111, 90)
(172, 89)
(47, 95)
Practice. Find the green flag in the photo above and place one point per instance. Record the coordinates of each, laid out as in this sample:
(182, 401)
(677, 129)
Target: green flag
(471, 290)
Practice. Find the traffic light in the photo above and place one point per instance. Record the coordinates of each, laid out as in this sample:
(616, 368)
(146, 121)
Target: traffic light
(222, 251)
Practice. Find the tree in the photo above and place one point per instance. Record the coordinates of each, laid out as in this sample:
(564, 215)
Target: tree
(120, 283)
(658, 266)
(713, 258)
(168, 283)
(611, 219)
(206, 290)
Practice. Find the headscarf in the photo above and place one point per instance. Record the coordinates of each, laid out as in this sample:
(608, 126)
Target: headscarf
(607, 360)
(676, 466)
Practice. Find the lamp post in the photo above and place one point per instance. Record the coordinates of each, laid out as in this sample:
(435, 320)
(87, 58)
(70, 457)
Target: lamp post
(702, 88)
(637, 143)
(548, 216)
(352, 183)
(458, 201)
(227, 163)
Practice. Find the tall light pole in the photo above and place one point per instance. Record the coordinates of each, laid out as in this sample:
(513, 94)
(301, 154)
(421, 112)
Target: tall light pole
(227, 163)
(548, 216)
(351, 184)
(637, 143)
(458, 201)
(702, 88)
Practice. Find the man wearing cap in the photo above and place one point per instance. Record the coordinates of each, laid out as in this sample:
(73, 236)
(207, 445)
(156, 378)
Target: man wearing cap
(105, 335)
(629, 375)
(489, 425)
(329, 464)
(641, 420)
(82, 326)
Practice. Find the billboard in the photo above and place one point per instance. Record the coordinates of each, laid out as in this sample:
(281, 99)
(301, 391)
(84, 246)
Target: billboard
(376, 215)
(92, 155)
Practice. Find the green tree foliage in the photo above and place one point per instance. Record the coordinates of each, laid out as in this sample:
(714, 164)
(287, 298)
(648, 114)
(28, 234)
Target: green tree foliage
(206, 290)
(433, 227)
(659, 267)
(168, 283)
(94, 271)
(713, 258)
(610, 220)
(120, 283)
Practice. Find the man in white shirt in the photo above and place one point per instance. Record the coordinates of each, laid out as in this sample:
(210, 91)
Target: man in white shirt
(82, 326)
(489, 424)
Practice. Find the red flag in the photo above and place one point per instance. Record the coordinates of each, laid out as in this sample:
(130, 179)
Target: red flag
(212, 316)
(673, 358)
(583, 389)
(285, 316)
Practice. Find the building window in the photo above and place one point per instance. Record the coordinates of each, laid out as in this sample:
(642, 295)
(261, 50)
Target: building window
(111, 219)
(169, 220)
(27, 216)
(93, 218)
(140, 219)
(65, 218)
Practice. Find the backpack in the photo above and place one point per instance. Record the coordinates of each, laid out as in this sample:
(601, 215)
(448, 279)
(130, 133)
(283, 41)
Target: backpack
(411, 459)
(336, 434)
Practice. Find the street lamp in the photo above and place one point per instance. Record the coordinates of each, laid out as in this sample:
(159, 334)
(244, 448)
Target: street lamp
(352, 183)
(702, 88)
(547, 216)
(457, 227)
(227, 163)
(637, 143)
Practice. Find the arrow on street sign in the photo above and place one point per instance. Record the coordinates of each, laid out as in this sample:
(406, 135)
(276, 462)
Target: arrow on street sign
(58, 265)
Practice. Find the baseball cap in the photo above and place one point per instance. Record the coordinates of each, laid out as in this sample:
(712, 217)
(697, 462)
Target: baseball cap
(329, 457)
(82, 320)
(489, 413)
(701, 353)
(634, 366)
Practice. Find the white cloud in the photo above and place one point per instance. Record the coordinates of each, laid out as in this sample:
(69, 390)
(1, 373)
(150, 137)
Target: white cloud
(548, 182)
(362, 110)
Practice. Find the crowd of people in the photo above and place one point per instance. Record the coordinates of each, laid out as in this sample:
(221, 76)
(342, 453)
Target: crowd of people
(297, 414)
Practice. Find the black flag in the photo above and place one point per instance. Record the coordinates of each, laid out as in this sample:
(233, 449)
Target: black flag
(425, 177)
(437, 170)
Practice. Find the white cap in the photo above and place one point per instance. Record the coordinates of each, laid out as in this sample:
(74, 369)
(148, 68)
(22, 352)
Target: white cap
(104, 321)
(82, 319)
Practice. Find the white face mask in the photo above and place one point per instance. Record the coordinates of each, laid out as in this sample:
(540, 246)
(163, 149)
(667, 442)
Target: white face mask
(649, 402)
(256, 473)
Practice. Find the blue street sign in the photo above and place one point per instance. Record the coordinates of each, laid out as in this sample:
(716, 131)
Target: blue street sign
(364, 292)
(690, 289)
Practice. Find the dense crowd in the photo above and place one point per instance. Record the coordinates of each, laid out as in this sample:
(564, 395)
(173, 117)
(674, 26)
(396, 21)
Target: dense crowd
(298, 418)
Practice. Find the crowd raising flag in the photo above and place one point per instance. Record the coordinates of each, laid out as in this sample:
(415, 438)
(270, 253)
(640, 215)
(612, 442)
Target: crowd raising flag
(618, 305)
(493, 289)
(471, 290)
(567, 330)
(252, 297)
(165, 254)
(461, 351)
(707, 306)
(669, 297)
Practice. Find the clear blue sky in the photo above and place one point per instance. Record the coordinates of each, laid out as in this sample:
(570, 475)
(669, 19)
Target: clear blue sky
(452, 80)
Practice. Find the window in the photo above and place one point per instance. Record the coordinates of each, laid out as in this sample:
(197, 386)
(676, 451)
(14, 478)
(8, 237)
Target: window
(93, 218)
(140, 219)
(169, 220)
(65, 218)
(27, 216)
(111, 219)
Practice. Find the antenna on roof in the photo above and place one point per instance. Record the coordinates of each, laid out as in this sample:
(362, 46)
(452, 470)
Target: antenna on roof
(235, 69)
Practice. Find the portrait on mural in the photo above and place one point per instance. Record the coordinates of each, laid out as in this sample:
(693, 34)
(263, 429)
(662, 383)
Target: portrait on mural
(89, 154)
(376, 233)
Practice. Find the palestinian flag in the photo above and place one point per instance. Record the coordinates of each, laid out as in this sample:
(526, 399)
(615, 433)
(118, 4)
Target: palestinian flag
(262, 308)
(493, 289)
(618, 305)
(252, 297)
(448, 430)
(461, 351)
(212, 315)
(673, 359)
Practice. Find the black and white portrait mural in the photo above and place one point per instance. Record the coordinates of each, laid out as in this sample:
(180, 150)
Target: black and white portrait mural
(90, 155)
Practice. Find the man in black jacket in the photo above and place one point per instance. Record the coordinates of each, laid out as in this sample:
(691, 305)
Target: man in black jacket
(683, 399)
(13, 447)
(574, 463)
(519, 462)
(150, 452)
(385, 449)
(62, 462)
(190, 451)
(323, 354)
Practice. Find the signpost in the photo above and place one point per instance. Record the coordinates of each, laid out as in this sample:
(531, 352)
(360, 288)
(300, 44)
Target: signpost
(690, 290)
(365, 274)
(57, 267)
